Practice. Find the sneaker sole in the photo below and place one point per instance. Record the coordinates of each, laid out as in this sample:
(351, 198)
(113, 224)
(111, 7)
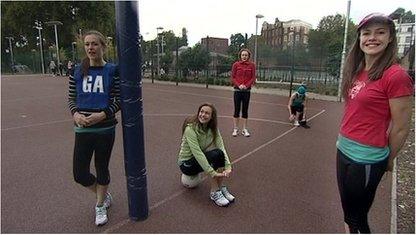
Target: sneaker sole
(101, 224)
(221, 205)
(231, 200)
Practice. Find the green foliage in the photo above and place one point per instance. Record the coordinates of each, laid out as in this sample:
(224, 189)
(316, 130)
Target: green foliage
(194, 59)
(237, 42)
(326, 42)
(170, 42)
(18, 19)
(402, 16)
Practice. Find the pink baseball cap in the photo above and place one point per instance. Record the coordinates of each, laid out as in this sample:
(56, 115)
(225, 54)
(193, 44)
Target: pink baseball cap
(375, 17)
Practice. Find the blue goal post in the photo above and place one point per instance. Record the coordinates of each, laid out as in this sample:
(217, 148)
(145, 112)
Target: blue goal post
(130, 61)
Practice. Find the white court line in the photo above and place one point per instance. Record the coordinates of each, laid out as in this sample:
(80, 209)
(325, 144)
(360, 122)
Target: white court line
(180, 192)
(149, 115)
(393, 218)
(37, 124)
(33, 98)
(221, 97)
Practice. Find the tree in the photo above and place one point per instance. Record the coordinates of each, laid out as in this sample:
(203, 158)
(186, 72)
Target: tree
(402, 16)
(18, 19)
(326, 42)
(237, 42)
(194, 59)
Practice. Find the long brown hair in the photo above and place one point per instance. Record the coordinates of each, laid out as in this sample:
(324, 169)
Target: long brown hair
(85, 65)
(241, 51)
(212, 124)
(355, 61)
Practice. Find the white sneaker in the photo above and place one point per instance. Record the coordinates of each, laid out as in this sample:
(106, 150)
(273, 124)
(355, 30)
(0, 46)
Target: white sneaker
(245, 133)
(296, 123)
(100, 215)
(108, 199)
(235, 132)
(219, 198)
(227, 194)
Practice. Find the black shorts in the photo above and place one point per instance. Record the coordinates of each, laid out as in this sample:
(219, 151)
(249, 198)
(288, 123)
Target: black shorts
(294, 109)
(215, 158)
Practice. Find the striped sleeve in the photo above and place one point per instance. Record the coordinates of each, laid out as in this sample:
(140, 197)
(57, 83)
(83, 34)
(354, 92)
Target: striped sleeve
(72, 95)
(114, 106)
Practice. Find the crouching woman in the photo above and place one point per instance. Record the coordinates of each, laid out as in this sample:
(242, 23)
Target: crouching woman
(202, 150)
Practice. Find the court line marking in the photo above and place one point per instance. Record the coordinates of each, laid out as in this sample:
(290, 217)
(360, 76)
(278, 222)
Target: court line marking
(221, 97)
(393, 218)
(33, 98)
(148, 115)
(180, 192)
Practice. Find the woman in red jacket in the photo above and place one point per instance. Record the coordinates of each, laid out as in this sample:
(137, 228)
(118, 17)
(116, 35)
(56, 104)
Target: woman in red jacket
(243, 76)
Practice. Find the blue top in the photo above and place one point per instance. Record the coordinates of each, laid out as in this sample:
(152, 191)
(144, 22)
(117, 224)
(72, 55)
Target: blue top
(361, 153)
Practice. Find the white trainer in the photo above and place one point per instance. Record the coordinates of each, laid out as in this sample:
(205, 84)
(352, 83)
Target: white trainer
(227, 194)
(108, 199)
(100, 215)
(296, 123)
(219, 198)
(245, 133)
(235, 132)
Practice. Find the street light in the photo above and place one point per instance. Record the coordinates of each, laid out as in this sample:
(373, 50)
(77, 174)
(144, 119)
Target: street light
(55, 24)
(74, 44)
(344, 49)
(258, 16)
(158, 59)
(113, 46)
(33, 60)
(11, 50)
(292, 68)
(39, 28)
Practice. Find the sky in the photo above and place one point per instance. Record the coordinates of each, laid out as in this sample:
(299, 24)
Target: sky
(221, 18)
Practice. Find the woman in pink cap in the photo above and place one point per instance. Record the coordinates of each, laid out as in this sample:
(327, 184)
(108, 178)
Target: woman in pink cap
(378, 100)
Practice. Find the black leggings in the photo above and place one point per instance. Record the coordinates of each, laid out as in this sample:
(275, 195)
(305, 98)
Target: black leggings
(215, 159)
(85, 145)
(241, 97)
(357, 185)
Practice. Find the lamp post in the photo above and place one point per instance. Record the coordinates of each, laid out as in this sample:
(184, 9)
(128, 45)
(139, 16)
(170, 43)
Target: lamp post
(74, 44)
(39, 28)
(11, 50)
(33, 60)
(258, 16)
(158, 58)
(55, 25)
(344, 49)
(292, 68)
(110, 40)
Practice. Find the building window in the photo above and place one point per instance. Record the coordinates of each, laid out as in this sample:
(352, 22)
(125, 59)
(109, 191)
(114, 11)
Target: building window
(407, 40)
(409, 30)
(297, 38)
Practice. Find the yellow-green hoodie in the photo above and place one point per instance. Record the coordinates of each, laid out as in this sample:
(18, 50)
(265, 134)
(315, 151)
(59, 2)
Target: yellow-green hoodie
(195, 141)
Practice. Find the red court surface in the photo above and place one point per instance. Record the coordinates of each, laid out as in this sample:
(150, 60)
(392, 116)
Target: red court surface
(283, 177)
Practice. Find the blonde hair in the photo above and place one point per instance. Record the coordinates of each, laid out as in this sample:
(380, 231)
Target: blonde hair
(85, 65)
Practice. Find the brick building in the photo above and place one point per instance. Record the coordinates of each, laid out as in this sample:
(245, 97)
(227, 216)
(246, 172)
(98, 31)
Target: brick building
(217, 45)
(281, 34)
